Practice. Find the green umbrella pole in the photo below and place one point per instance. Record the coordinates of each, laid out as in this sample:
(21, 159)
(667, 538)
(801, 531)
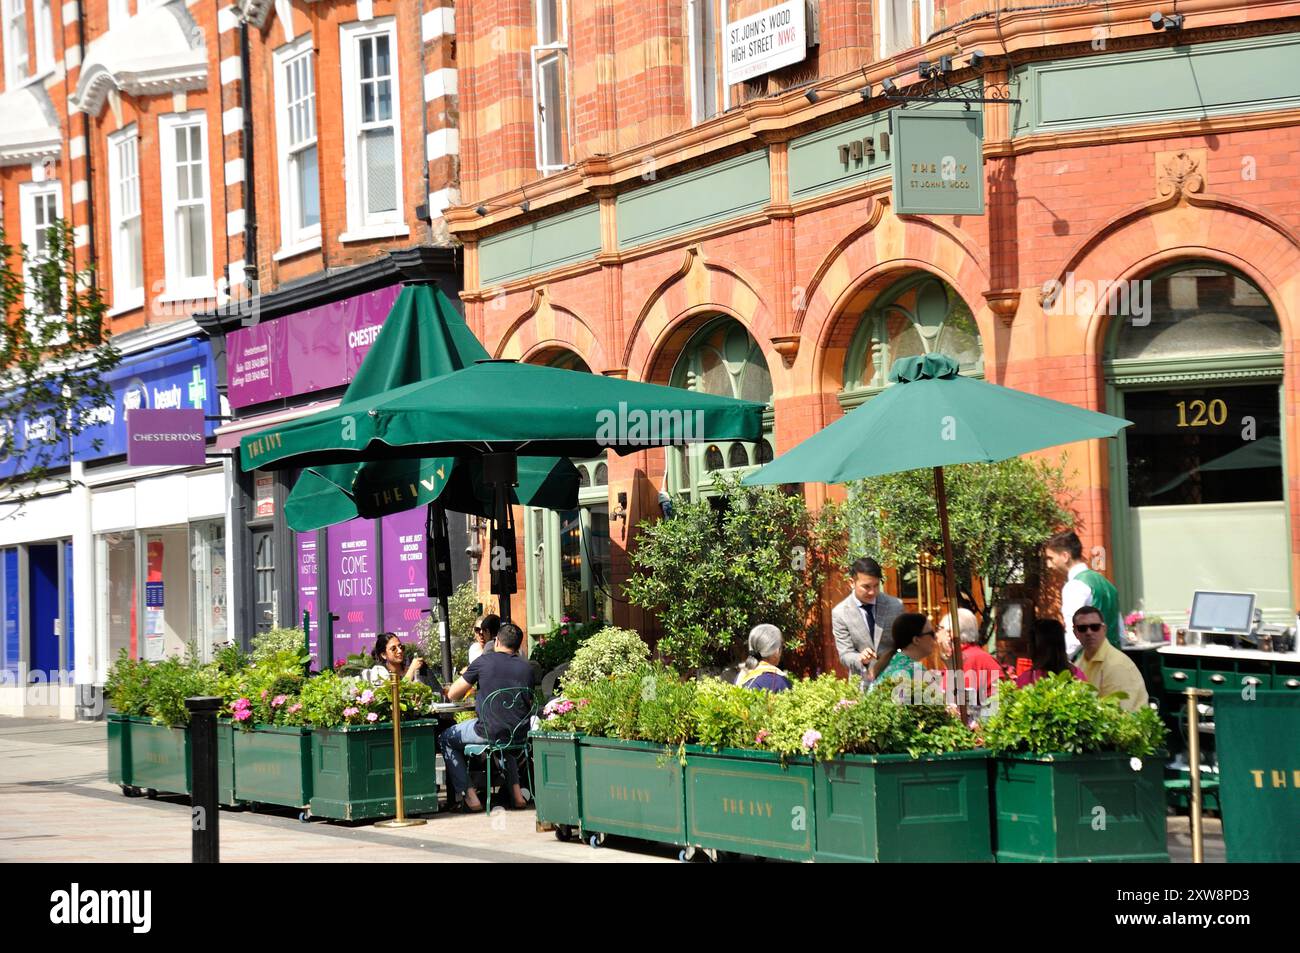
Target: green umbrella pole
(500, 470)
(950, 589)
(438, 579)
(327, 641)
(306, 633)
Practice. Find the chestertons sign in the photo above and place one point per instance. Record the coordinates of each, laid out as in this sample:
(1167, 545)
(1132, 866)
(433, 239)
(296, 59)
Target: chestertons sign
(766, 41)
(165, 438)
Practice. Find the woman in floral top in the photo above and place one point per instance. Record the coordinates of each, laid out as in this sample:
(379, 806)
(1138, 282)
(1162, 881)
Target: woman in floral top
(914, 639)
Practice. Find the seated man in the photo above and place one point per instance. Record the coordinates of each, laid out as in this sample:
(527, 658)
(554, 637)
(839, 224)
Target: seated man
(1104, 665)
(500, 667)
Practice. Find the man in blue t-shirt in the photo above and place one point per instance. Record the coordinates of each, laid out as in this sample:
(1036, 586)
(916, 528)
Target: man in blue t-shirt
(493, 670)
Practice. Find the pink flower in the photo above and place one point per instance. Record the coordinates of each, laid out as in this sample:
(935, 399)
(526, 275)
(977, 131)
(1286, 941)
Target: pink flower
(541, 642)
(240, 704)
(366, 697)
(350, 711)
(372, 717)
(564, 619)
(279, 700)
(243, 714)
(845, 703)
(264, 694)
(294, 708)
(811, 737)
(584, 702)
(761, 736)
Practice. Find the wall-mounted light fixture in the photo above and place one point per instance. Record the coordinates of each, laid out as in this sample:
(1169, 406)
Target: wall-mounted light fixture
(620, 511)
(811, 95)
(1172, 22)
(480, 210)
(977, 59)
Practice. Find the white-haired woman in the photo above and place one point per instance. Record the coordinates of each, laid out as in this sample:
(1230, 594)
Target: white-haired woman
(761, 668)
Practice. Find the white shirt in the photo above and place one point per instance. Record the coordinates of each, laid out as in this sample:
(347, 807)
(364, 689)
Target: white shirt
(1075, 594)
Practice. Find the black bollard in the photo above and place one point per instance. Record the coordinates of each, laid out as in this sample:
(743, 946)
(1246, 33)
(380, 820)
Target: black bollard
(204, 816)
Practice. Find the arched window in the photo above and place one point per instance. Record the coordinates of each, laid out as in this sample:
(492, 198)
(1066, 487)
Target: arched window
(720, 358)
(919, 314)
(1194, 359)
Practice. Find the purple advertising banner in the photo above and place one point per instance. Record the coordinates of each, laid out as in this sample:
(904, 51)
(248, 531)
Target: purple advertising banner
(309, 351)
(353, 588)
(165, 438)
(404, 571)
(309, 591)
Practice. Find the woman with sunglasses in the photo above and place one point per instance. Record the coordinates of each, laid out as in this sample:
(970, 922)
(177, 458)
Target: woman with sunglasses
(914, 639)
(1047, 650)
(485, 635)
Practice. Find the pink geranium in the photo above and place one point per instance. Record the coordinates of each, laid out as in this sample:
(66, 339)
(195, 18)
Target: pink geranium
(294, 708)
(279, 700)
(350, 711)
(761, 737)
(366, 697)
(372, 717)
(811, 737)
(243, 714)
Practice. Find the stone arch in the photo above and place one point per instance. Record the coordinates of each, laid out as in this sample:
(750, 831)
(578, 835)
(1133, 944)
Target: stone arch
(864, 263)
(547, 324)
(696, 288)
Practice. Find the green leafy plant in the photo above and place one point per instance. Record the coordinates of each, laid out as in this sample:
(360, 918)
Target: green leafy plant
(171, 681)
(665, 713)
(559, 645)
(230, 659)
(727, 716)
(611, 651)
(999, 514)
(1062, 714)
(262, 692)
(462, 611)
(275, 642)
(127, 685)
(718, 567)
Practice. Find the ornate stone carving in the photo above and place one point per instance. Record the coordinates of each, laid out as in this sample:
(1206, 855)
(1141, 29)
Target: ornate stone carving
(787, 345)
(1004, 304)
(1179, 174)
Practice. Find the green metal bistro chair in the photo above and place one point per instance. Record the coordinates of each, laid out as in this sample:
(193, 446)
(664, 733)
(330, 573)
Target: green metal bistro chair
(505, 704)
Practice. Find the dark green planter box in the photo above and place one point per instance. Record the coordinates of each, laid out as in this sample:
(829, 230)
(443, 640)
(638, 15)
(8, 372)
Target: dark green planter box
(895, 808)
(555, 775)
(272, 765)
(144, 755)
(748, 802)
(633, 788)
(148, 756)
(353, 777)
(1045, 809)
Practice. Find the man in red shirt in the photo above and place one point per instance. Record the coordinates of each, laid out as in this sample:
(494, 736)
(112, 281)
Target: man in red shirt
(982, 671)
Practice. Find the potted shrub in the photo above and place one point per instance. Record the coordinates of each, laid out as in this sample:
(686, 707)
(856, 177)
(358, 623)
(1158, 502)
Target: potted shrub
(1075, 778)
(272, 752)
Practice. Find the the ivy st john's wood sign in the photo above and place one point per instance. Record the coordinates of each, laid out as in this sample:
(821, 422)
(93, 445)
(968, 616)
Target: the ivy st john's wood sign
(938, 161)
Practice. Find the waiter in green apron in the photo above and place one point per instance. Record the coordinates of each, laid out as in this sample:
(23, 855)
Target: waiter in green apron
(1083, 587)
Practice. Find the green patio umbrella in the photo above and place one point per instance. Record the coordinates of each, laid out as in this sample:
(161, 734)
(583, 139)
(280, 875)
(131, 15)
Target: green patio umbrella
(500, 410)
(423, 337)
(931, 418)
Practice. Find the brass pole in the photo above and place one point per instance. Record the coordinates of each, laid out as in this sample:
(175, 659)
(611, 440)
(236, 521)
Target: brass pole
(1194, 757)
(401, 820)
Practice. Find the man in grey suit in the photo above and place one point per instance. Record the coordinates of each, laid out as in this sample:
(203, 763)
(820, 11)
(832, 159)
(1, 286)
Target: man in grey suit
(863, 621)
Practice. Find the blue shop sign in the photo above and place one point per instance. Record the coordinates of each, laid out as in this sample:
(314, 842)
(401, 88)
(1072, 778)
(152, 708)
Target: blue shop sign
(178, 376)
(25, 443)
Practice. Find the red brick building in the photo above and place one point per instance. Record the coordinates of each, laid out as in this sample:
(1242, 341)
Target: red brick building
(632, 207)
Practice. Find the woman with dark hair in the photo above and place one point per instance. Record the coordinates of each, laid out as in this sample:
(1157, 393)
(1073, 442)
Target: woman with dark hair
(1047, 649)
(485, 634)
(914, 639)
(389, 656)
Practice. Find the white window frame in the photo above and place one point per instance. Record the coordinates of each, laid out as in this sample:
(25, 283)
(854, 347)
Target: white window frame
(360, 224)
(125, 298)
(15, 10)
(540, 52)
(28, 194)
(43, 24)
(884, 18)
(178, 286)
(119, 11)
(292, 238)
(699, 76)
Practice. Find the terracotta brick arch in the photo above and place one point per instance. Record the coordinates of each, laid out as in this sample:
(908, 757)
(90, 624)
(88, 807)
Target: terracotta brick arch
(547, 324)
(862, 265)
(698, 287)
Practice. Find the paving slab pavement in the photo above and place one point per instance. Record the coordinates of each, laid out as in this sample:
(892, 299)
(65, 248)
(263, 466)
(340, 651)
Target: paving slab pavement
(56, 805)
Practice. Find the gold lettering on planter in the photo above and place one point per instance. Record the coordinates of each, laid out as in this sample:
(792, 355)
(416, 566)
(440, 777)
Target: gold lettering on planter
(1276, 778)
(621, 792)
(746, 807)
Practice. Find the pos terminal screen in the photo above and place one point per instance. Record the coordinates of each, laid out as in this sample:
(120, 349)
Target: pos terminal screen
(1228, 612)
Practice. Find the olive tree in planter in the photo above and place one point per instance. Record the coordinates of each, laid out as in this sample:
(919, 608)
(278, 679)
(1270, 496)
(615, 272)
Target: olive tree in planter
(999, 514)
(720, 566)
(1075, 778)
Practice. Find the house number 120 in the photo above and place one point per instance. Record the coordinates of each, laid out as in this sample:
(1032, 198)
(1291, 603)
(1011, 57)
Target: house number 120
(1203, 415)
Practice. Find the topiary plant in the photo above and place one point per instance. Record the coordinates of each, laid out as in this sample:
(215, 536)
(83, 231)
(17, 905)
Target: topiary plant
(611, 651)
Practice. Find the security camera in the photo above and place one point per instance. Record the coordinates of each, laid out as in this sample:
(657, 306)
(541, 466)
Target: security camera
(976, 59)
(888, 86)
(1171, 22)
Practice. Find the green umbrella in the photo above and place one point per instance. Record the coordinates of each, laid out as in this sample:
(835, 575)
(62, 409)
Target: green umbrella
(422, 337)
(499, 410)
(504, 407)
(933, 417)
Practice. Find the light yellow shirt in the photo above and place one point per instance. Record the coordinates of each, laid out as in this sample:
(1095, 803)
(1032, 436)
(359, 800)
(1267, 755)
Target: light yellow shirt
(1113, 671)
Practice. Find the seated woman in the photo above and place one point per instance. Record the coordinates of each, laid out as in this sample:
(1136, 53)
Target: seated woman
(914, 639)
(1047, 649)
(485, 633)
(389, 656)
(760, 669)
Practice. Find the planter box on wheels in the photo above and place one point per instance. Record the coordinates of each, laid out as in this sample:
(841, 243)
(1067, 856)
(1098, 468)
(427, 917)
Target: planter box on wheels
(895, 808)
(273, 765)
(748, 802)
(632, 788)
(353, 776)
(1078, 808)
(555, 775)
(148, 756)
